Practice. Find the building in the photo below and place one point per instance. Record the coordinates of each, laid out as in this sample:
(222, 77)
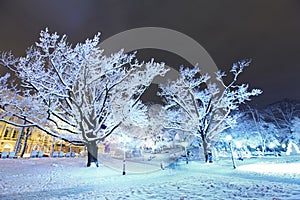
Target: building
(37, 140)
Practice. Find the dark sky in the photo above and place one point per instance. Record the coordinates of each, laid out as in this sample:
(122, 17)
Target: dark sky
(268, 32)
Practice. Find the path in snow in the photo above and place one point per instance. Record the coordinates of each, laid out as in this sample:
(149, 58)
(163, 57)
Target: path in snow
(69, 179)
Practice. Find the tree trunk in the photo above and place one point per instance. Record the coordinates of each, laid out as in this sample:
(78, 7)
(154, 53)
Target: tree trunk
(28, 133)
(92, 149)
(19, 140)
(207, 151)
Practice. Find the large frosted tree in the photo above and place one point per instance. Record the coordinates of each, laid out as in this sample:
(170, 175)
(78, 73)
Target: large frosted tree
(77, 92)
(199, 108)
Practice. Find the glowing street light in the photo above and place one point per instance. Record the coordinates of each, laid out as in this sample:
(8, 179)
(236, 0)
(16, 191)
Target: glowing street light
(272, 145)
(228, 139)
(283, 146)
(238, 144)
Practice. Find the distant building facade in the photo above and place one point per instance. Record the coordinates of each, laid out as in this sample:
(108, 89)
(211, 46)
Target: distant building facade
(37, 141)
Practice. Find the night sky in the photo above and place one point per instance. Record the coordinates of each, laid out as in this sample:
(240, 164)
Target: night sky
(268, 32)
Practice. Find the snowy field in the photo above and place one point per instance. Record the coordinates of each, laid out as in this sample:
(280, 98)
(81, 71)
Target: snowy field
(68, 178)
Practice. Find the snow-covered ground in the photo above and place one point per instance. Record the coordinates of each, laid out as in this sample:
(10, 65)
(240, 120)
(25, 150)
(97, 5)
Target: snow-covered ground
(68, 178)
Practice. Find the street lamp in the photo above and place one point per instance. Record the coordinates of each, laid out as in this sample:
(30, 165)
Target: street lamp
(228, 139)
(125, 139)
(283, 147)
(185, 144)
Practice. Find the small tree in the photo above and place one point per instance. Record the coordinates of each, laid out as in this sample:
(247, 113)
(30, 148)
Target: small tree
(267, 131)
(200, 108)
(282, 114)
(79, 94)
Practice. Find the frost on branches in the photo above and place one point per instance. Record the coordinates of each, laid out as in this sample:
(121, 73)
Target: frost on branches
(79, 94)
(252, 133)
(199, 108)
(283, 115)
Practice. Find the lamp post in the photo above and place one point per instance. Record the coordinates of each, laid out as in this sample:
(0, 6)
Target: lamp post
(124, 161)
(185, 144)
(229, 138)
(124, 139)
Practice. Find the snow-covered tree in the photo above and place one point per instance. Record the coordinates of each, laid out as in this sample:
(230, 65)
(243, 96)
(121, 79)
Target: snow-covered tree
(267, 131)
(21, 108)
(296, 130)
(251, 132)
(3, 86)
(77, 92)
(155, 131)
(282, 114)
(148, 131)
(200, 108)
